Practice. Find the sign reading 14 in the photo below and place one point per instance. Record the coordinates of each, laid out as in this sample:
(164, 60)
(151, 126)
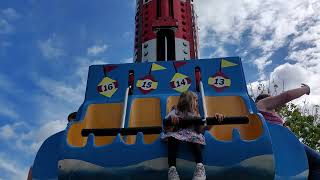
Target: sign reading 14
(180, 82)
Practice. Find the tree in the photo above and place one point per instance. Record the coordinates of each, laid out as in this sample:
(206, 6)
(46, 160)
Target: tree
(305, 126)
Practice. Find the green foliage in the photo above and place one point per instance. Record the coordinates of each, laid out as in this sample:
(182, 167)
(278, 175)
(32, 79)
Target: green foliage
(305, 126)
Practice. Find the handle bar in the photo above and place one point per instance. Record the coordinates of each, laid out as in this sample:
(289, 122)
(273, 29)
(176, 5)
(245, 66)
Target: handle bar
(167, 122)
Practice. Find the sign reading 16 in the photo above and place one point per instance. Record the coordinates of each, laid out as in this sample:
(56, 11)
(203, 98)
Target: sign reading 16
(108, 87)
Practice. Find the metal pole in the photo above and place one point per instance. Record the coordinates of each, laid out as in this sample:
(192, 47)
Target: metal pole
(123, 119)
(203, 101)
(166, 48)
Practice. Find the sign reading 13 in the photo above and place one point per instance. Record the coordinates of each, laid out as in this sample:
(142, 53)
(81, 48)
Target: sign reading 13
(219, 81)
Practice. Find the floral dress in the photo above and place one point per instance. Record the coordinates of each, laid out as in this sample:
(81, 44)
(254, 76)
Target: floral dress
(184, 134)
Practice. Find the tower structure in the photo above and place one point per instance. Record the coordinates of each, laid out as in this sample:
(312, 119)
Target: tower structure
(165, 30)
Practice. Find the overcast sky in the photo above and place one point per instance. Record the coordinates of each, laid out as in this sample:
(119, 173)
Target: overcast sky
(47, 46)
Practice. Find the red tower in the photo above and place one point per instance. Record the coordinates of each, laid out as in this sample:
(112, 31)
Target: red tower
(165, 30)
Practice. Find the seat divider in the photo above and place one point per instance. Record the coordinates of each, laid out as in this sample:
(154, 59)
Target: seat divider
(124, 112)
(203, 101)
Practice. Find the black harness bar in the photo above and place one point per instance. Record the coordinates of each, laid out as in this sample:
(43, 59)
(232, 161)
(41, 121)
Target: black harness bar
(167, 122)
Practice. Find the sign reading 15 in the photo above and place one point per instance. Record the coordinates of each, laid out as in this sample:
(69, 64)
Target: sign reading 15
(146, 84)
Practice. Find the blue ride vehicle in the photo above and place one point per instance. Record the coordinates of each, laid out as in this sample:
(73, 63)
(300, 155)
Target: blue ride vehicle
(116, 133)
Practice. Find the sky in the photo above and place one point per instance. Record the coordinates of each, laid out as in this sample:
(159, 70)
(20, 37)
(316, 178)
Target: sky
(47, 46)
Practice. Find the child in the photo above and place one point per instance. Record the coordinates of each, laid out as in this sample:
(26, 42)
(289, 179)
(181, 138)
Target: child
(187, 107)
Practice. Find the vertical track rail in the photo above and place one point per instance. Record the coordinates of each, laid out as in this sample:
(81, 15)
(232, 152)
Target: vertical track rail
(123, 119)
(203, 101)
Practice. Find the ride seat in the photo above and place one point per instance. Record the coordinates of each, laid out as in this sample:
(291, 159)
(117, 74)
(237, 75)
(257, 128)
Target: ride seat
(98, 116)
(145, 112)
(233, 106)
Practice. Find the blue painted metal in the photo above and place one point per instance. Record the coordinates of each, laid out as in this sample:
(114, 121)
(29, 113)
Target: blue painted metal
(291, 159)
(263, 158)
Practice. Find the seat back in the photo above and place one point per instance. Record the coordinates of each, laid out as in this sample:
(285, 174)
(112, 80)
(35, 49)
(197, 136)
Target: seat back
(145, 112)
(97, 116)
(232, 106)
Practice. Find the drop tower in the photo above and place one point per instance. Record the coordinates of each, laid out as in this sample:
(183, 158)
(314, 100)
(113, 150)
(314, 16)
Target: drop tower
(165, 30)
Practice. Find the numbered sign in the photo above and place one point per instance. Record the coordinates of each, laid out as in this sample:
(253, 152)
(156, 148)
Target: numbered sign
(219, 81)
(107, 87)
(180, 82)
(147, 84)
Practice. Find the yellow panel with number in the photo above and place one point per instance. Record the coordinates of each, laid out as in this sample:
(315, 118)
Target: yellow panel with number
(107, 87)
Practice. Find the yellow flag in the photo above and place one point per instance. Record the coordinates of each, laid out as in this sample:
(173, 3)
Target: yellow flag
(225, 63)
(157, 67)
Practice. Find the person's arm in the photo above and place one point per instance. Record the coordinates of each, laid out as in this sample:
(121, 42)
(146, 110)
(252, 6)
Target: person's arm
(274, 102)
(173, 117)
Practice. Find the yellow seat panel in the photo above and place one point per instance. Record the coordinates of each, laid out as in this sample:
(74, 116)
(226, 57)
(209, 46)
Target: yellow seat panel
(227, 105)
(233, 106)
(74, 137)
(98, 116)
(145, 112)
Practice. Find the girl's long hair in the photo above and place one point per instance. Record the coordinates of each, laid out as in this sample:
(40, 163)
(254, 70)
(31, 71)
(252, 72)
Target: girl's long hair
(186, 104)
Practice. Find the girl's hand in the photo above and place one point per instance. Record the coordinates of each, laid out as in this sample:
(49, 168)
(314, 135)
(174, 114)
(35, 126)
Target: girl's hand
(219, 117)
(306, 86)
(174, 120)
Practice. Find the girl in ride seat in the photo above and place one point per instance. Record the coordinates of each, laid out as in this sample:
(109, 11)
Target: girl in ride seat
(186, 108)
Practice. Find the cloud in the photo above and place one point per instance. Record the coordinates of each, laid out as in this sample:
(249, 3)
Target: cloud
(305, 48)
(26, 139)
(284, 74)
(7, 108)
(51, 48)
(7, 85)
(282, 77)
(127, 35)
(10, 14)
(127, 60)
(260, 26)
(5, 27)
(7, 16)
(60, 96)
(60, 90)
(97, 49)
(8, 112)
(32, 139)
(261, 63)
(11, 169)
(7, 132)
(55, 105)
